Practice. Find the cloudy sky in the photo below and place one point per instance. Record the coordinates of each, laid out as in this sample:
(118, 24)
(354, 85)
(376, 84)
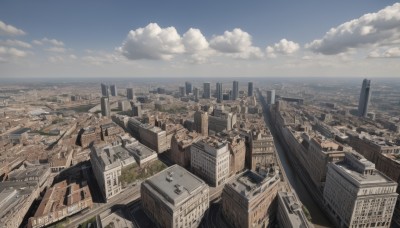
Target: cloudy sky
(181, 38)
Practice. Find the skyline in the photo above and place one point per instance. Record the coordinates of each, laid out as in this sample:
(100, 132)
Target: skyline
(62, 39)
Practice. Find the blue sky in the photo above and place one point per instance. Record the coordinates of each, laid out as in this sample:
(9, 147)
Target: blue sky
(228, 38)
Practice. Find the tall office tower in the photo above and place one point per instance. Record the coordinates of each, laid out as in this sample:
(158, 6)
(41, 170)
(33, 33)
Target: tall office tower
(219, 92)
(250, 89)
(104, 90)
(188, 87)
(129, 93)
(196, 93)
(136, 109)
(105, 106)
(182, 91)
(207, 90)
(113, 90)
(235, 90)
(358, 195)
(271, 96)
(365, 95)
(201, 122)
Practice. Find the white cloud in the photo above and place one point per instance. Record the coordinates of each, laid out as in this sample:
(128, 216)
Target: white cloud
(370, 30)
(393, 52)
(56, 49)
(152, 42)
(9, 30)
(15, 43)
(99, 58)
(231, 42)
(7, 53)
(236, 43)
(283, 47)
(194, 41)
(48, 41)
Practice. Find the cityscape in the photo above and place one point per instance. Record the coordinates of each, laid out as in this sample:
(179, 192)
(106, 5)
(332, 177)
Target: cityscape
(197, 129)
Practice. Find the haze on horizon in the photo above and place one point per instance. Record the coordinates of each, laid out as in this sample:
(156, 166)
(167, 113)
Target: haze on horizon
(200, 39)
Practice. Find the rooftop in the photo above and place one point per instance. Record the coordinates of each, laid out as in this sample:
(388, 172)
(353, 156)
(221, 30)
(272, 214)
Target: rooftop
(249, 183)
(361, 170)
(293, 210)
(175, 184)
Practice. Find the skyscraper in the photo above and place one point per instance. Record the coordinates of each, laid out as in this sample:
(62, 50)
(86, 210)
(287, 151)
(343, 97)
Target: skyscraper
(365, 95)
(113, 90)
(182, 91)
(201, 122)
(104, 90)
(196, 93)
(207, 90)
(188, 87)
(250, 89)
(235, 90)
(271, 96)
(105, 106)
(219, 92)
(129, 93)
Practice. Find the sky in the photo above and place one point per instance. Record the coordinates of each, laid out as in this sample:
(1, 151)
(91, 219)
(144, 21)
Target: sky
(182, 38)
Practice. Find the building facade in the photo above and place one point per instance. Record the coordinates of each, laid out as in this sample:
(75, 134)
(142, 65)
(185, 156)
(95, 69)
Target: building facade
(107, 163)
(210, 160)
(357, 195)
(249, 199)
(365, 96)
(250, 89)
(175, 198)
(105, 106)
(219, 92)
(201, 122)
(206, 90)
(235, 90)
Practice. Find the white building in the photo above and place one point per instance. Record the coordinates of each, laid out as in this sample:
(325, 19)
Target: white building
(358, 195)
(210, 160)
(107, 163)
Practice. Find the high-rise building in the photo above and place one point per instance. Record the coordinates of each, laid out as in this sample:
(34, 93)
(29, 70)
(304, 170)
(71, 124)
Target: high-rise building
(358, 195)
(104, 90)
(196, 94)
(188, 87)
(235, 90)
(129, 93)
(250, 89)
(201, 122)
(249, 199)
(182, 91)
(219, 92)
(365, 96)
(113, 90)
(105, 106)
(210, 160)
(136, 109)
(206, 90)
(271, 96)
(175, 197)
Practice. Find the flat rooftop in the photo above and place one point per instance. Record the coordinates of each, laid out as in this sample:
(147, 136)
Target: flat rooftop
(376, 178)
(140, 151)
(114, 155)
(175, 184)
(28, 172)
(248, 183)
(293, 210)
